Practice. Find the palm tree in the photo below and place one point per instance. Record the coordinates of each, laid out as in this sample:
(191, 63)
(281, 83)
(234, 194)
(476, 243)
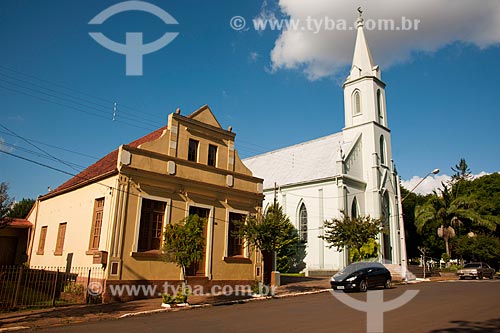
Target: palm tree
(450, 212)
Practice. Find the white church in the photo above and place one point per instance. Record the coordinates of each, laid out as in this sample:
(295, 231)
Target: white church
(351, 170)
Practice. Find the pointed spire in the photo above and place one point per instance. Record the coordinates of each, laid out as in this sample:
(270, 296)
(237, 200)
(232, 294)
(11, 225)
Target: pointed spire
(362, 61)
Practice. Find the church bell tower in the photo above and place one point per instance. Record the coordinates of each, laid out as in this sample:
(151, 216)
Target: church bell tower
(366, 127)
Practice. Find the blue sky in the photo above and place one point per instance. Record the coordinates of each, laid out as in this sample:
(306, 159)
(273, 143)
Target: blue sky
(58, 86)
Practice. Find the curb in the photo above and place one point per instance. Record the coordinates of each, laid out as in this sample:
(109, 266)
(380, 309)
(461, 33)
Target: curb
(241, 301)
(15, 328)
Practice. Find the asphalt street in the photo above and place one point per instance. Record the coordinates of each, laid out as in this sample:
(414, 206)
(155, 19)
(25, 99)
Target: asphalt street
(453, 306)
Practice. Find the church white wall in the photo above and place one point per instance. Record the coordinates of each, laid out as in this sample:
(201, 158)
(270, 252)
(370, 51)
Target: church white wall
(321, 201)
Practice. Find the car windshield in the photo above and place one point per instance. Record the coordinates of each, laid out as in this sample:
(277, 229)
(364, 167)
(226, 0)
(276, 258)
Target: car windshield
(472, 266)
(357, 266)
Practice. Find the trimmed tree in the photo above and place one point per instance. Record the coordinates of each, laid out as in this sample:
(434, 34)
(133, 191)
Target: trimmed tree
(352, 233)
(185, 242)
(272, 232)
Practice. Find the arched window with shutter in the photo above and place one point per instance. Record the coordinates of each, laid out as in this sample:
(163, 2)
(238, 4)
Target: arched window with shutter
(303, 223)
(356, 102)
(382, 150)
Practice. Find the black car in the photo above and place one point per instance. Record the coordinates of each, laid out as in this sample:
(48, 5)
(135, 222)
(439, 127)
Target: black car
(361, 276)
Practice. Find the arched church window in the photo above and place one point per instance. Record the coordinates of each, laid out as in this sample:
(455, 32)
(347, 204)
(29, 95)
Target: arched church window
(382, 150)
(354, 208)
(356, 101)
(303, 223)
(379, 106)
(386, 211)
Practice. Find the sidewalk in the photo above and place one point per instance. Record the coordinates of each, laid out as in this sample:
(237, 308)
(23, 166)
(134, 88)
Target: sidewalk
(33, 319)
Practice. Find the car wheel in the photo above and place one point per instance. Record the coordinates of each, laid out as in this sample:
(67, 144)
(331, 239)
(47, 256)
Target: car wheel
(491, 276)
(461, 277)
(387, 284)
(363, 287)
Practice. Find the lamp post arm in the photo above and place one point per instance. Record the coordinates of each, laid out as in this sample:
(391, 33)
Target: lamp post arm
(414, 187)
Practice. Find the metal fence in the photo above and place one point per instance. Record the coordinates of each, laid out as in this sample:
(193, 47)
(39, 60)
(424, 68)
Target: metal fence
(37, 287)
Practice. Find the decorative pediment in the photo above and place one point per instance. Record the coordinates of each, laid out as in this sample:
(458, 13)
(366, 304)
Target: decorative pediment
(205, 115)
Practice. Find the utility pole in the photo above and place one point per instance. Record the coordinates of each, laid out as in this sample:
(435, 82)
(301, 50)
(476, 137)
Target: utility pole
(275, 259)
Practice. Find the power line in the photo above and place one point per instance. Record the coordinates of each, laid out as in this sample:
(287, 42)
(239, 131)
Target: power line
(40, 149)
(55, 147)
(16, 147)
(70, 101)
(107, 186)
(74, 90)
(36, 162)
(89, 179)
(260, 149)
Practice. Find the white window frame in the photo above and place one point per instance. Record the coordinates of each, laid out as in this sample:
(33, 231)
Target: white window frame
(166, 216)
(246, 252)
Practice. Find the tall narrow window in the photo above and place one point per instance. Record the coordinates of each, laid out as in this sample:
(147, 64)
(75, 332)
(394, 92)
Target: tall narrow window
(61, 233)
(386, 211)
(379, 106)
(356, 102)
(199, 268)
(354, 208)
(193, 150)
(41, 241)
(235, 245)
(95, 232)
(382, 150)
(151, 225)
(212, 155)
(303, 223)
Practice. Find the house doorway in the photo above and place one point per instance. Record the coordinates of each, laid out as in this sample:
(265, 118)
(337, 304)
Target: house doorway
(199, 268)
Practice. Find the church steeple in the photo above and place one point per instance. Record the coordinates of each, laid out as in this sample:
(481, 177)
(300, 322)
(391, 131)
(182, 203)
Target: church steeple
(362, 61)
(364, 94)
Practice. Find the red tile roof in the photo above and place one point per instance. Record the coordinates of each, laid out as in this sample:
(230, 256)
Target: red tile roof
(105, 165)
(17, 223)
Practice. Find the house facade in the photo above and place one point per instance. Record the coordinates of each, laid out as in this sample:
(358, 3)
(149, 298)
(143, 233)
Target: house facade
(350, 171)
(113, 213)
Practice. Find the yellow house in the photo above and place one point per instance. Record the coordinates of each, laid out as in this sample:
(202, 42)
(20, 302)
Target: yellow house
(114, 212)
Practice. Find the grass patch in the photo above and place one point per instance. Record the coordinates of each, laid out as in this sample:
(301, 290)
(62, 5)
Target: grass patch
(293, 274)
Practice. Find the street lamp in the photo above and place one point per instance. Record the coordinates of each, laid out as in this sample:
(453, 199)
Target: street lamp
(402, 244)
(433, 172)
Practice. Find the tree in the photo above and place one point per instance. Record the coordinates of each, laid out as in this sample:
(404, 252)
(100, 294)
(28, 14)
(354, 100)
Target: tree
(478, 247)
(290, 258)
(461, 174)
(351, 233)
(449, 213)
(461, 171)
(5, 204)
(272, 232)
(185, 242)
(21, 209)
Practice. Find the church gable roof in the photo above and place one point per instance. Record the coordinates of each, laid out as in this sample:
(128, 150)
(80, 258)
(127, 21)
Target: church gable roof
(304, 162)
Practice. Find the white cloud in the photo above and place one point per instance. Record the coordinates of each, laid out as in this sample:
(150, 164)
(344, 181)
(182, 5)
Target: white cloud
(5, 147)
(253, 56)
(431, 183)
(441, 22)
